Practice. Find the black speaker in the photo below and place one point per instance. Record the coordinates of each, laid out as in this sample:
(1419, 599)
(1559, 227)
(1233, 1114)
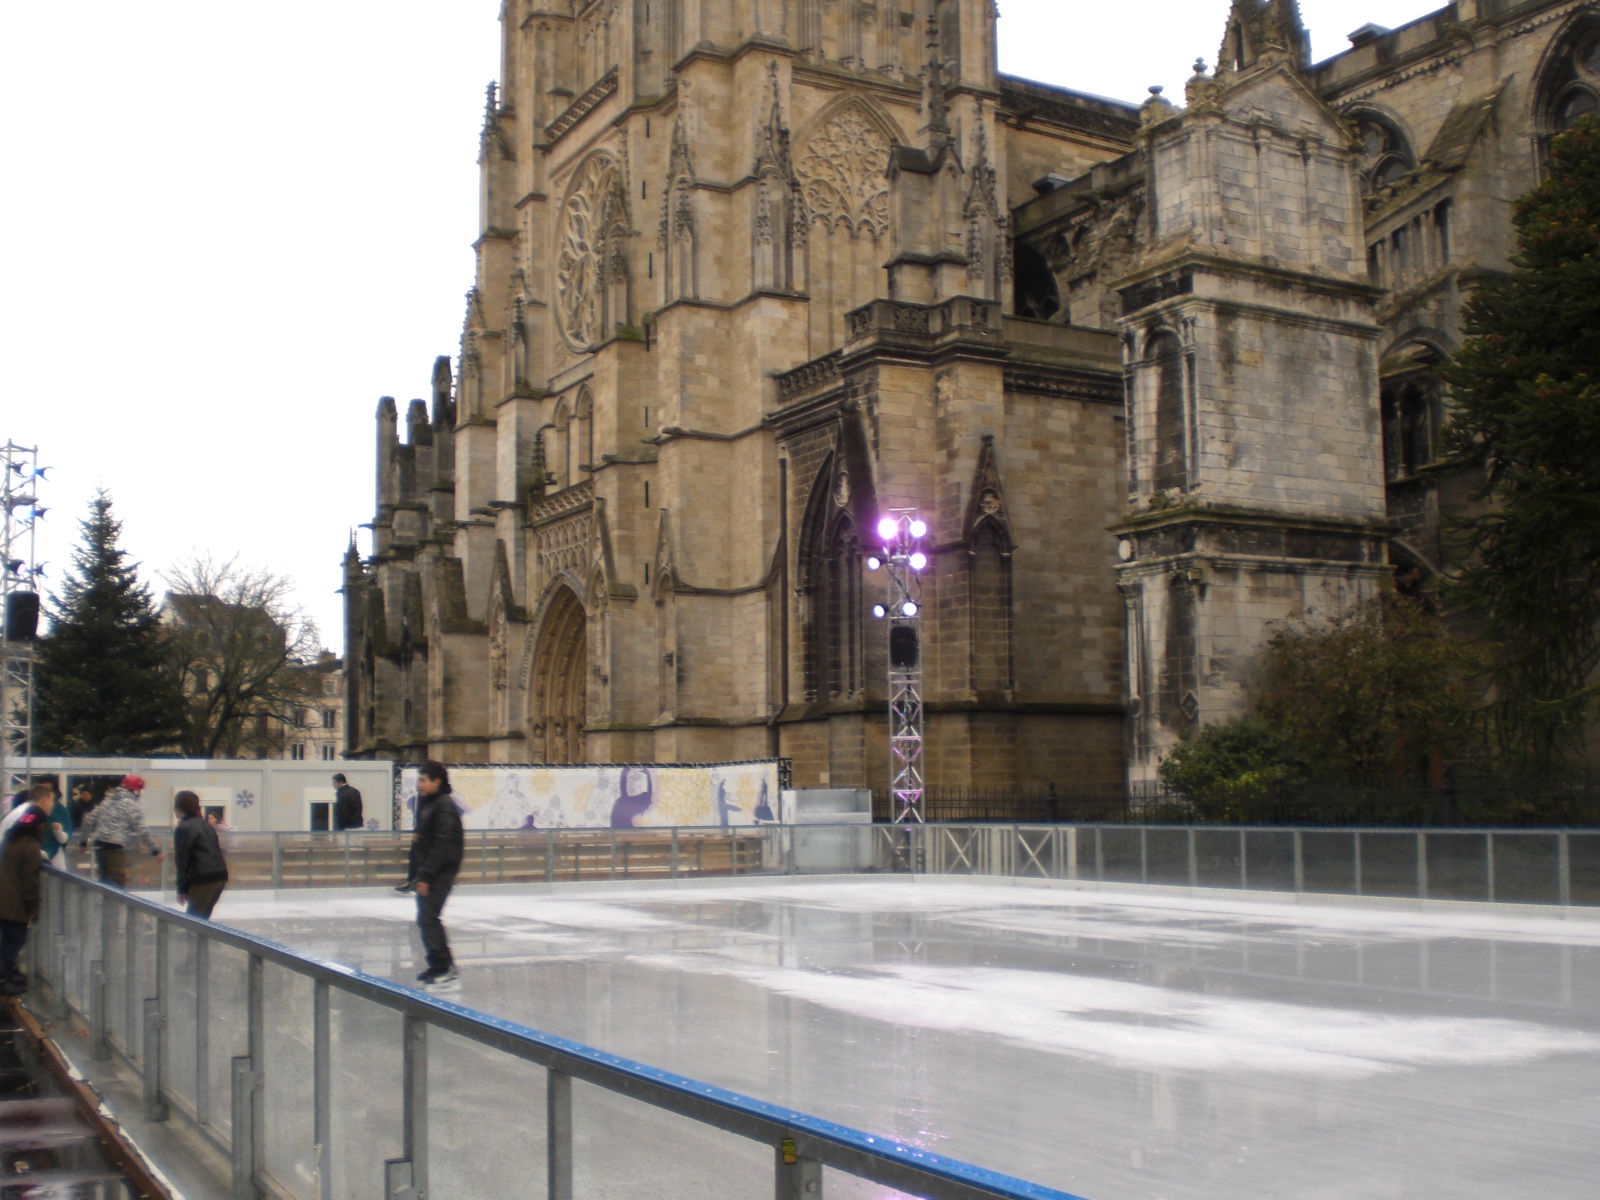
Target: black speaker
(22, 616)
(903, 646)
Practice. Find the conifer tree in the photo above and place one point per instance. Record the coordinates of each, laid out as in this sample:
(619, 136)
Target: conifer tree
(1526, 414)
(101, 686)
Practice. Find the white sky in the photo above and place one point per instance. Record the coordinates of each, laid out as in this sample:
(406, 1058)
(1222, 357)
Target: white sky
(227, 229)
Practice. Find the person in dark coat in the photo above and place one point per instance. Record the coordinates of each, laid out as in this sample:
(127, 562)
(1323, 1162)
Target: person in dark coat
(20, 857)
(202, 870)
(346, 805)
(438, 846)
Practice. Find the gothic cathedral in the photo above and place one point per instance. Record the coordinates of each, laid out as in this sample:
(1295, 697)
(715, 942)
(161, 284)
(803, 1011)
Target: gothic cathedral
(751, 272)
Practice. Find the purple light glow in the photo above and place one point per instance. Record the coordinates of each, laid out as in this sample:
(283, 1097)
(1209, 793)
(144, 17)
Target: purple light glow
(888, 527)
(919, 528)
(918, 561)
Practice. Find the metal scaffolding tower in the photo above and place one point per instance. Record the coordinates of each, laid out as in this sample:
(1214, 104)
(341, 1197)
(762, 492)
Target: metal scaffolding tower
(900, 533)
(19, 604)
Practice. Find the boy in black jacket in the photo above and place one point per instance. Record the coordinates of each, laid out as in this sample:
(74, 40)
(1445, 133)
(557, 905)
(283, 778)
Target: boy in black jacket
(437, 846)
(202, 871)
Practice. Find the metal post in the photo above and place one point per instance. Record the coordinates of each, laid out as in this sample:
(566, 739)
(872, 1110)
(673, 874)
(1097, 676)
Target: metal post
(155, 1025)
(406, 1177)
(674, 852)
(558, 1134)
(277, 860)
(322, 1087)
(1563, 870)
(98, 1016)
(245, 1141)
(1488, 865)
(1194, 858)
(1299, 865)
(155, 1080)
(202, 1030)
(1422, 864)
(796, 1178)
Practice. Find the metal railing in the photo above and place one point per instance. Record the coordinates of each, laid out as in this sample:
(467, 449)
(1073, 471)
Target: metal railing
(1537, 866)
(1542, 866)
(317, 1081)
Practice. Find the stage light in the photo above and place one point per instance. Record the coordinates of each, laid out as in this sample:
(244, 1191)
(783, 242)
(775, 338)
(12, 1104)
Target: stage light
(879, 611)
(919, 527)
(888, 527)
(873, 562)
(908, 608)
(918, 561)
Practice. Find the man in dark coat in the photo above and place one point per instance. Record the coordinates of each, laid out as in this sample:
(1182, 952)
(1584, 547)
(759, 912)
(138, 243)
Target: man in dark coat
(438, 847)
(346, 805)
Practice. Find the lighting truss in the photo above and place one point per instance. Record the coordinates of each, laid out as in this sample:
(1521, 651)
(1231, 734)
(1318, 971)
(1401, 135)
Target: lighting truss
(20, 512)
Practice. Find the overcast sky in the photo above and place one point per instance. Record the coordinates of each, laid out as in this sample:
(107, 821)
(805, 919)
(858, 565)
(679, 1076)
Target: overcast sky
(228, 229)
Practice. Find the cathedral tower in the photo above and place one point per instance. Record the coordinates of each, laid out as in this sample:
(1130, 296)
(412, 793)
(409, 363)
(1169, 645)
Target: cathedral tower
(1255, 484)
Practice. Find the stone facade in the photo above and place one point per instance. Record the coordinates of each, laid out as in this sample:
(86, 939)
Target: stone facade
(751, 273)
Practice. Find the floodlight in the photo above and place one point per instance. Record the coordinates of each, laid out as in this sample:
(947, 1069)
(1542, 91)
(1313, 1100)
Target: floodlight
(919, 527)
(918, 561)
(908, 608)
(888, 527)
(873, 562)
(879, 611)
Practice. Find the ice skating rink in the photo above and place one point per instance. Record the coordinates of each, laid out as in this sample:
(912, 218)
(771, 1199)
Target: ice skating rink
(1119, 1044)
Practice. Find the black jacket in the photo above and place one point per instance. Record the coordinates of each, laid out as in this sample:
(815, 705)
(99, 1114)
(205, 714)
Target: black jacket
(438, 839)
(198, 854)
(347, 808)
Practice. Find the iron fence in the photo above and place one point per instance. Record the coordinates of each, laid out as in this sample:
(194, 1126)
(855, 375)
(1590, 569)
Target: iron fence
(316, 1081)
(1463, 804)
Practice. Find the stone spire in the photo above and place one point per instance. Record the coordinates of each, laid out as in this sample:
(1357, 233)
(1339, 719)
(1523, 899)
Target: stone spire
(1260, 29)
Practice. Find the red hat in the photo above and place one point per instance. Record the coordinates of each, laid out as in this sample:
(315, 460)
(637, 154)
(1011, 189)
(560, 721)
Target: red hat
(134, 783)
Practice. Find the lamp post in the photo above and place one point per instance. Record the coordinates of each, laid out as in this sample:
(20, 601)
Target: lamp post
(902, 559)
(20, 512)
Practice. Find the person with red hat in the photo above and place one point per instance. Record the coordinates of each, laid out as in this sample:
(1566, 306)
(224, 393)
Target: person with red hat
(113, 827)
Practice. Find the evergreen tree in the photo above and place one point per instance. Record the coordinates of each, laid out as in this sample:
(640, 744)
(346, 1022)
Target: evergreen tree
(100, 682)
(1526, 414)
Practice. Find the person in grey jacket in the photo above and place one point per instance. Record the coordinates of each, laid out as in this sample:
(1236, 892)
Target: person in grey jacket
(438, 846)
(116, 823)
(197, 857)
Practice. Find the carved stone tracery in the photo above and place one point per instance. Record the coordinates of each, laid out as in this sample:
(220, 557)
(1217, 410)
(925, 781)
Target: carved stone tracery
(594, 222)
(843, 173)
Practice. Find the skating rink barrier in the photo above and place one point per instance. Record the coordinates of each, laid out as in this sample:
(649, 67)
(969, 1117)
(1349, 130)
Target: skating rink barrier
(1538, 866)
(318, 1082)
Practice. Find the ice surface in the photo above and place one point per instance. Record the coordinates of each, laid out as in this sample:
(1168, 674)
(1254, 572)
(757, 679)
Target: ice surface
(1120, 1045)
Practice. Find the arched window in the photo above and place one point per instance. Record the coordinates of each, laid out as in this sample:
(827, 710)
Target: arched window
(831, 578)
(583, 441)
(1036, 293)
(1386, 155)
(559, 456)
(1569, 84)
(1171, 468)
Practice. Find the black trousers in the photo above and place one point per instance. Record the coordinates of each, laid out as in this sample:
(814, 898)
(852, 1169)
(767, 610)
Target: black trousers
(429, 909)
(13, 937)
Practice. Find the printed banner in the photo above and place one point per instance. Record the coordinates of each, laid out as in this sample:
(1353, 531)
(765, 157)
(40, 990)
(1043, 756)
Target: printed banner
(605, 797)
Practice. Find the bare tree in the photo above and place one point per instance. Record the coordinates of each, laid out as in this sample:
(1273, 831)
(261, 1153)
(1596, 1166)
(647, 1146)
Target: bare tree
(237, 646)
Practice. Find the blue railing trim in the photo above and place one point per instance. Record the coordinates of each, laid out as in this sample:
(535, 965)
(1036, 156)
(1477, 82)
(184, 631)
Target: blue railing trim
(848, 1137)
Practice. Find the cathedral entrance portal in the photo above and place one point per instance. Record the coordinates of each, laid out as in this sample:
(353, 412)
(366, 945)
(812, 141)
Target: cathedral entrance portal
(560, 672)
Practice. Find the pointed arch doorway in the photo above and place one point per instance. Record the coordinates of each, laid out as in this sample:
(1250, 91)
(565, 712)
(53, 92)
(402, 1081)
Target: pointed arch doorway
(560, 669)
